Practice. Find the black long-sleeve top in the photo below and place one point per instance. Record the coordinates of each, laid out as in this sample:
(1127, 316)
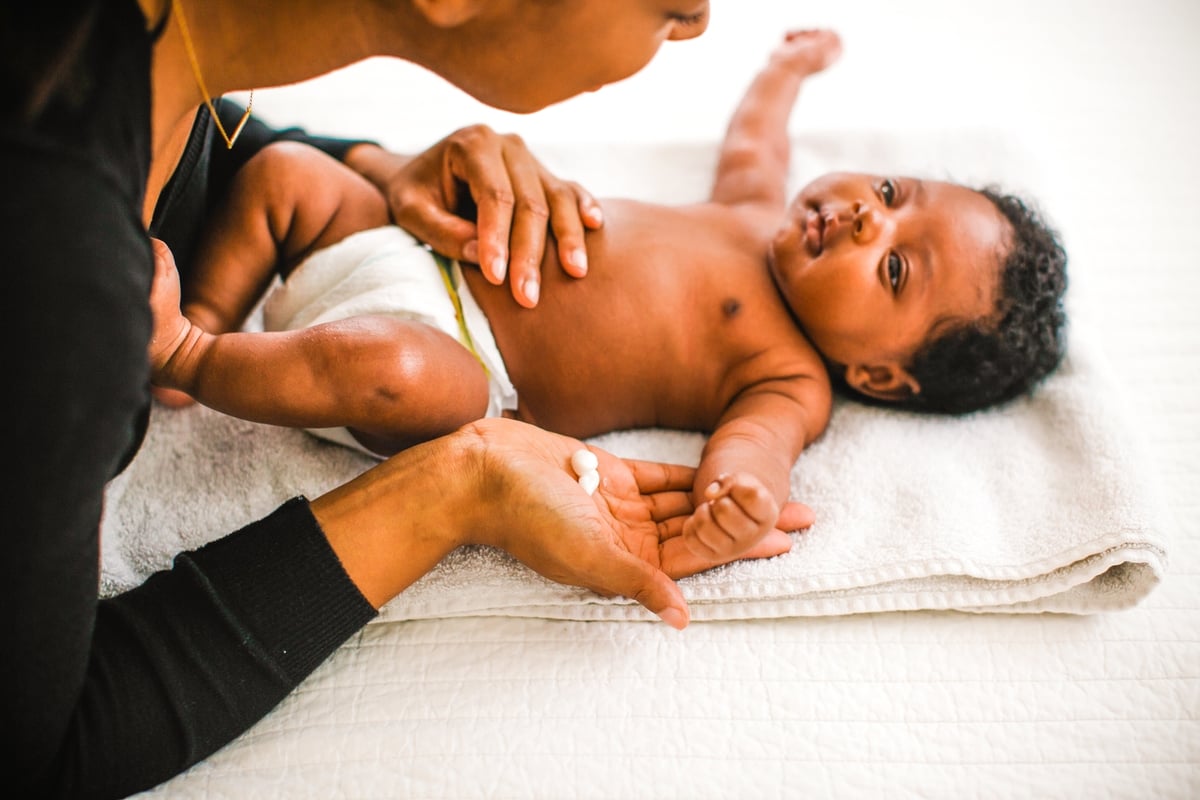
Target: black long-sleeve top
(102, 698)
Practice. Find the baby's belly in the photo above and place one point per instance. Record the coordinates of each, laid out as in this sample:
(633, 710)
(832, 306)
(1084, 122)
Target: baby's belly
(587, 361)
(583, 388)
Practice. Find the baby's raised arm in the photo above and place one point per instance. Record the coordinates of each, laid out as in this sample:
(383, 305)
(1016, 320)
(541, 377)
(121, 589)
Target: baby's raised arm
(744, 476)
(753, 164)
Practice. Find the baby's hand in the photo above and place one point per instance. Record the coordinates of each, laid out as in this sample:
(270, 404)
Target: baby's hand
(808, 51)
(170, 326)
(737, 513)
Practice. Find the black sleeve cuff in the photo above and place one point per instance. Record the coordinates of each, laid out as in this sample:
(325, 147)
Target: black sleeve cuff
(281, 580)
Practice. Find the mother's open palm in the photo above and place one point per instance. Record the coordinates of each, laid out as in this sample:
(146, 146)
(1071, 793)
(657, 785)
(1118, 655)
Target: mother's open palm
(622, 540)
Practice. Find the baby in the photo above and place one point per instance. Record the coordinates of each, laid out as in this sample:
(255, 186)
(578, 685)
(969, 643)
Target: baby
(727, 317)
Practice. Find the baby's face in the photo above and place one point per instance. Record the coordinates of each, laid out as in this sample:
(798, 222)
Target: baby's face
(872, 265)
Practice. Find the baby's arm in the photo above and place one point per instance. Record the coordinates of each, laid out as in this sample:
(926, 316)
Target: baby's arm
(744, 476)
(753, 164)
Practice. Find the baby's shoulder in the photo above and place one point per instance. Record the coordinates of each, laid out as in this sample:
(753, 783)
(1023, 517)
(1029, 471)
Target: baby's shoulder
(781, 360)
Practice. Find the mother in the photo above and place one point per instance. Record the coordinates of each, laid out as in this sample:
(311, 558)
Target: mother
(108, 144)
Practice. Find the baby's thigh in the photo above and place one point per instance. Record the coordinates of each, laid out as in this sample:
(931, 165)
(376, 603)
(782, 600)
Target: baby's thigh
(312, 199)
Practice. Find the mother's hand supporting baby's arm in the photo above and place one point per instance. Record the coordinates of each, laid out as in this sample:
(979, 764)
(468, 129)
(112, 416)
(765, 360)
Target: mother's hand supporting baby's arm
(518, 204)
(506, 484)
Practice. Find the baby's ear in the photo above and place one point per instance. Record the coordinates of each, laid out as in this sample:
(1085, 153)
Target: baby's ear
(890, 382)
(449, 13)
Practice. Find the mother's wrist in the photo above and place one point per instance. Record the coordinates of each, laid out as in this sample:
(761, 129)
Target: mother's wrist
(395, 522)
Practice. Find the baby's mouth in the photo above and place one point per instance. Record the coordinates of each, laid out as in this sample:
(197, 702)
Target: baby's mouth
(814, 232)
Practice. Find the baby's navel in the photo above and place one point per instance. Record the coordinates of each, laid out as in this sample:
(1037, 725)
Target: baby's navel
(730, 307)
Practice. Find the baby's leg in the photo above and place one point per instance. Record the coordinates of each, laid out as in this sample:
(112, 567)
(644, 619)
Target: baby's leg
(409, 382)
(287, 201)
(393, 382)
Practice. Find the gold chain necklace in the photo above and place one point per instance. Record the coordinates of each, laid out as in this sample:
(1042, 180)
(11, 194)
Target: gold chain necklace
(191, 51)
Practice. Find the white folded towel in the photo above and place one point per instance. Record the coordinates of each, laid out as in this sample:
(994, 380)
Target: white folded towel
(1046, 504)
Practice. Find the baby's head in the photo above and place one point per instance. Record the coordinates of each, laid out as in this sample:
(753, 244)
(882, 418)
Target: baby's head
(927, 295)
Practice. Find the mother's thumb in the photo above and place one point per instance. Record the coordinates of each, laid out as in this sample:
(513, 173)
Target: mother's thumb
(652, 588)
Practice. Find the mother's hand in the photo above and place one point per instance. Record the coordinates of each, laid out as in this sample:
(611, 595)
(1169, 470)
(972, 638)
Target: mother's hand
(509, 485)
(482, 197)
(622, 540)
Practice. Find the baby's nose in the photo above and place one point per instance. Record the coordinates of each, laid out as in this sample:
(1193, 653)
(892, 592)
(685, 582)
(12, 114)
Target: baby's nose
(866, 223)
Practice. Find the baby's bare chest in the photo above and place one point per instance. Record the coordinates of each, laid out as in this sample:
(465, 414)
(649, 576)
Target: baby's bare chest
(654, 335)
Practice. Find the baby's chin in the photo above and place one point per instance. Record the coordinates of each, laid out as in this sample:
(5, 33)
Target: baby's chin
(779, 279)
(773, 266)
(786, 256)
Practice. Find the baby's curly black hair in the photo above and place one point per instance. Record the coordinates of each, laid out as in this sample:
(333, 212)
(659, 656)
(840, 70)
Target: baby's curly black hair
(987, 362)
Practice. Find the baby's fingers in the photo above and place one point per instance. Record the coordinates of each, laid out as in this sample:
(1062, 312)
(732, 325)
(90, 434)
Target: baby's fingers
(704, 537)
(735, 499)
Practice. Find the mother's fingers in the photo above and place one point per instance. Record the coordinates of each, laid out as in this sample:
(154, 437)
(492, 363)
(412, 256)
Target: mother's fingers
(475, 156)
(629, 576)
(795, 517)
(571, 209)
(665, 506)
(423, 193)
(655, 476)
(515, 207)
(431, 223)
(530, 215)
(679, 561)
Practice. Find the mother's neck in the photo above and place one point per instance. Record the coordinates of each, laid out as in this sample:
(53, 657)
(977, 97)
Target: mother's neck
(253, 44)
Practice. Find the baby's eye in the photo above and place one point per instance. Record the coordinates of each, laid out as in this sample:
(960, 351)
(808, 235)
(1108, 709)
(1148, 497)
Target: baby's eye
(895, 270)
(887, 190)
